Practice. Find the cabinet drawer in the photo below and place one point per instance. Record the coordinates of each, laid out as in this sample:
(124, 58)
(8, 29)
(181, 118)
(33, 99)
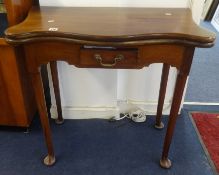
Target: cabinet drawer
(108, 58)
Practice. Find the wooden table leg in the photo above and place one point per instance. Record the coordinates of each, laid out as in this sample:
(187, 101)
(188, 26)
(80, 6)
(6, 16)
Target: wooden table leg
(177, 97)
(40, 98)
(180, 84)
(55, 80)
(163, 85)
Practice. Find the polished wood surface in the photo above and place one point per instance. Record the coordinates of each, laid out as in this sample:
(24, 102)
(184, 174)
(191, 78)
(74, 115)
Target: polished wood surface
(129, 38)
(177, 98)
(75, 54)
(17, 99)
(111, 26)
(17, 10)
(108, 58)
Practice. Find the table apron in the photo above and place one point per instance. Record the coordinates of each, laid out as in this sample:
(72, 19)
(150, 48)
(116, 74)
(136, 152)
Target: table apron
(135, 57)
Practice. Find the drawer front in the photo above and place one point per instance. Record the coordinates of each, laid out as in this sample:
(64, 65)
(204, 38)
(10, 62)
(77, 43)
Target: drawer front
(108, 58)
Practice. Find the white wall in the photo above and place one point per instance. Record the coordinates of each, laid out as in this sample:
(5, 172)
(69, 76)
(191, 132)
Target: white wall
(88, 93)
(197, 8)
(116, 3)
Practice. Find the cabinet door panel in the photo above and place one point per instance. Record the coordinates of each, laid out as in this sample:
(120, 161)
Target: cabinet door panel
(5, 107)
(17, 103)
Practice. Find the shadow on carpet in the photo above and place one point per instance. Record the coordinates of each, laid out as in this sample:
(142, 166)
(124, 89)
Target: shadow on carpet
(99, 147)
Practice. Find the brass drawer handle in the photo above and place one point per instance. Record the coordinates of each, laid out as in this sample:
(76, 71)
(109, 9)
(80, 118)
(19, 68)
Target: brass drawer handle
(116, 59)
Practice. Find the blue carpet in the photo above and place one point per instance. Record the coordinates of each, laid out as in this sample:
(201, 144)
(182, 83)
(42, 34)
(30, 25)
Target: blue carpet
(204, 77)
(99, 147)
(202, 108)
(3, 23)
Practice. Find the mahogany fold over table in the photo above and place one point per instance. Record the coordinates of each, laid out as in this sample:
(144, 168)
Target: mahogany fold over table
(127, 38)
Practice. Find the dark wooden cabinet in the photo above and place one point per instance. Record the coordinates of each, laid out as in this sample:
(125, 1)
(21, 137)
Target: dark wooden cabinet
(17, 101)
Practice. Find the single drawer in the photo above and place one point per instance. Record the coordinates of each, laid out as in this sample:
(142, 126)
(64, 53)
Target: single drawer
(108, 57)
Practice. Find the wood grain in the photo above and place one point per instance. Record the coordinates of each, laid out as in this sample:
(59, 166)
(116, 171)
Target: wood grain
(87, 58)
(17, 10)
(177, 98)
(17, 99)
(111, 26)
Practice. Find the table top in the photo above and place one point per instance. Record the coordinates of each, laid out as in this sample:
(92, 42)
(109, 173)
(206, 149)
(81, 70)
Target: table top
(109, 26)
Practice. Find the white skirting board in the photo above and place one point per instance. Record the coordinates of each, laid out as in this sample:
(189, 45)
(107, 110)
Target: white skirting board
(107, 112)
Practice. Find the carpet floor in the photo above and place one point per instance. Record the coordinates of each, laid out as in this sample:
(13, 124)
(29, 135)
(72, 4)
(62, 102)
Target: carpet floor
(99, 147)
(204, 80)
